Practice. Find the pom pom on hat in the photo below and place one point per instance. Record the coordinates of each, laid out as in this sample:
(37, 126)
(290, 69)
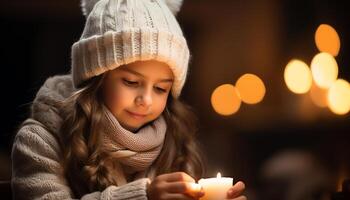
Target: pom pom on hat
(174, 5)
(88, 5)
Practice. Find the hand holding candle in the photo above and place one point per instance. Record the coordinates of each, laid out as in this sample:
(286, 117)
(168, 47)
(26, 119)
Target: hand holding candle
(177, 185)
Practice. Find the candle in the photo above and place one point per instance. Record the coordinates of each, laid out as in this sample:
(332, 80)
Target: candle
(215, 188)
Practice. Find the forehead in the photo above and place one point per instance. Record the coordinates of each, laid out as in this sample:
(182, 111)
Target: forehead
(147, 69)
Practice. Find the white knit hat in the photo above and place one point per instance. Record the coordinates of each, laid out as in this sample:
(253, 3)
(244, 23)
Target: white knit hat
(119, 32)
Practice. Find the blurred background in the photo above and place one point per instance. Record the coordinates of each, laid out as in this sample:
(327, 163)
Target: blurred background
(273, 109)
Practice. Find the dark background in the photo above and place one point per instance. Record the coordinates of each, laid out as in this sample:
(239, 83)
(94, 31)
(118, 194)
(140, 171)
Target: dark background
(227, 38)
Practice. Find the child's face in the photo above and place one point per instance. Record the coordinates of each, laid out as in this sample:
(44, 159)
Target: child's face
(137, 93)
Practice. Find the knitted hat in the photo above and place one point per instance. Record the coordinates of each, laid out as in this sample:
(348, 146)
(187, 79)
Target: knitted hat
(119, 32)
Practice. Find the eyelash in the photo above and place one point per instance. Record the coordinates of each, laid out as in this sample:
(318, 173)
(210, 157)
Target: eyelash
(130, 83)
(161, 90)
(135, 84)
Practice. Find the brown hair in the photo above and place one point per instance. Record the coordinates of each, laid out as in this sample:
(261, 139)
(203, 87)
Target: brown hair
(88, 169)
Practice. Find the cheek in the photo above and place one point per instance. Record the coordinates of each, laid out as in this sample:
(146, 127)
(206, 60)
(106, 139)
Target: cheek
(160, 104)
(116, 98)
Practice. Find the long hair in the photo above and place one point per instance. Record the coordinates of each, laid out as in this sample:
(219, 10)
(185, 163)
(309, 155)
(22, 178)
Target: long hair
(89, 169)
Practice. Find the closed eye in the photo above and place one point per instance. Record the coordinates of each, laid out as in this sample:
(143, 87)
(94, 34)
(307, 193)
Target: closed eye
(161, 90)
(130, 83)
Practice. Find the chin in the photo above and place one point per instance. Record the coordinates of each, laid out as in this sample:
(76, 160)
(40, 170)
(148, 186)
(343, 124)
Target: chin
(137, 128)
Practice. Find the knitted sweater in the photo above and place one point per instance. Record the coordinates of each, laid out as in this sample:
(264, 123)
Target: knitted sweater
(37, 172)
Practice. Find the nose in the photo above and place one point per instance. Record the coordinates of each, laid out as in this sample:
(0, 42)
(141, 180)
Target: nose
(144, 99)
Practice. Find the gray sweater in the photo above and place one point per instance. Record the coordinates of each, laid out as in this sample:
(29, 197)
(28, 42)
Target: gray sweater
(36, 169)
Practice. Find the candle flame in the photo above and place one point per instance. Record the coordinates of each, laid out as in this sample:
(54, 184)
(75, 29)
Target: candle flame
(219, 175)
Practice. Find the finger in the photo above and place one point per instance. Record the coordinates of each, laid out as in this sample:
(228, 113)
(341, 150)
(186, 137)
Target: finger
(176, 187)
(191, 189)
(235, 190)
(176, 176)
(195, 190)
(171, 196)
(240, 198)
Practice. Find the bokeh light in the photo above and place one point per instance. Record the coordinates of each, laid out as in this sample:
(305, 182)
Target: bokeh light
(251, 88)
(297, 76)
(324, 69)
(319, 96)
(327, 39)
(339, 97)
(225, 100)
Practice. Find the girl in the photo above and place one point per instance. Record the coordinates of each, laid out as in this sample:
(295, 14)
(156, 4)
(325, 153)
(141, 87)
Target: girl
(114, 128)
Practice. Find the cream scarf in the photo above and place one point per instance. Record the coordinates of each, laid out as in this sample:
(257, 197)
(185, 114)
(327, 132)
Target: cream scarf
(134, 151)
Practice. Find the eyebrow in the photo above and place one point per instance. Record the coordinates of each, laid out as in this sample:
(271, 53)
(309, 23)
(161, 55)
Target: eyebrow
(139, 74)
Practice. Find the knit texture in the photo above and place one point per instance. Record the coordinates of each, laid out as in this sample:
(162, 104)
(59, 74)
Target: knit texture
(137, 151)
(119, 32)
(37, 172)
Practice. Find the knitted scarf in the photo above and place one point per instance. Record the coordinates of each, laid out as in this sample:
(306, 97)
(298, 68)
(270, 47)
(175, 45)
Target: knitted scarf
(134, 151)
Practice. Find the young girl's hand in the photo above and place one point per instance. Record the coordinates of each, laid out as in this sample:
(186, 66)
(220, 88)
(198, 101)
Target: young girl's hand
(235, 191)
(177, 185)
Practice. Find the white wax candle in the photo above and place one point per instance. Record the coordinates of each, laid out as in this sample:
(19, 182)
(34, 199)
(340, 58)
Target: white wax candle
(215, 188)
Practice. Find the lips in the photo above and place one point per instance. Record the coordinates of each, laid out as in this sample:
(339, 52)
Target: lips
(136, 115)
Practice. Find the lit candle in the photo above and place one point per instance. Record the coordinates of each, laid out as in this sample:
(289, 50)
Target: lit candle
(215, 188)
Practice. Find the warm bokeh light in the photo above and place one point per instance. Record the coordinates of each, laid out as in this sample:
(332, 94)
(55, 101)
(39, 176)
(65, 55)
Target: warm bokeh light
(324, 69)
(319, 96)
(297, 76)
(251, 88)
(225, 100)
(339, 97)
(327, 39)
